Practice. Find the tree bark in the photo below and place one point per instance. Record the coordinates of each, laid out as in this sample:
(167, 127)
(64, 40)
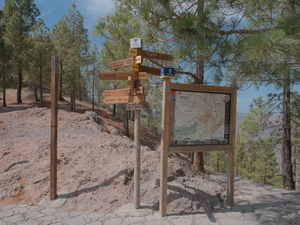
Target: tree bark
(41, 87)
(19, 87)
(60, 96)
(126, 122)
(287, 166)
(199, 156)
(35, 93)
(4, 88)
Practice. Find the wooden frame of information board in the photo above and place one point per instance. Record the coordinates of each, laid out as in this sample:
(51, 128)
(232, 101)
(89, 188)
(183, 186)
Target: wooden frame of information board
(165, 137)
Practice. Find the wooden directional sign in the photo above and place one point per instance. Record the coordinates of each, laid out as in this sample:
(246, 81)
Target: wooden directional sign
(118, 75)
(123, 99)
(147, 69)
(117, 92)
(123, 92)
(125, 62)
(138, 106)
(120, 63)
(150, 55)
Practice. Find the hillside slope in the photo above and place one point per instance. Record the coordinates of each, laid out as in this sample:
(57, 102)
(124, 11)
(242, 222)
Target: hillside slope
(95, 163)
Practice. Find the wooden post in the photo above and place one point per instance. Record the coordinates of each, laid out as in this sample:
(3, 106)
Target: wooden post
(137, 159)
(165, 141)
(54, 103)
(231, 152)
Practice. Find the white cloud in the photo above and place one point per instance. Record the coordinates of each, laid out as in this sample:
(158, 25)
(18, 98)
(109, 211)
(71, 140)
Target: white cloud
(93, 9)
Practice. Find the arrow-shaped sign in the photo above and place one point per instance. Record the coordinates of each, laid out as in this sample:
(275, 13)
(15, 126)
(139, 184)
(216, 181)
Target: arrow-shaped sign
(138, 106)
(150, 55)
(123, 92)
(120, 63)
(123, 99)
(118, 75)
(117, 92)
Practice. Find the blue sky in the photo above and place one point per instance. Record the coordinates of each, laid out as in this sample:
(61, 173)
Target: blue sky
(91, 10)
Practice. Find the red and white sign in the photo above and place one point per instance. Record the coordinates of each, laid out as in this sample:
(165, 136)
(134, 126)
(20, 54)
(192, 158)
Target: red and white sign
(136, 43)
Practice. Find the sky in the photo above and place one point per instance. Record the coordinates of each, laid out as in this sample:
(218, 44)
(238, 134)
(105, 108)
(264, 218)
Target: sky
(52, 11)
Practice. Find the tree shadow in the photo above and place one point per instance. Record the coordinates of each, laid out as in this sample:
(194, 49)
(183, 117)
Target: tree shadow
(207, 201)
(269, 208)
(92, 189)
(12, 108)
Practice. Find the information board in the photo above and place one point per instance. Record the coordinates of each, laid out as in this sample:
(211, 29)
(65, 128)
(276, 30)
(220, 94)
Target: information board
(199, 118)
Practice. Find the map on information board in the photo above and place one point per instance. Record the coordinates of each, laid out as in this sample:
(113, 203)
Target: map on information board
(199, 118)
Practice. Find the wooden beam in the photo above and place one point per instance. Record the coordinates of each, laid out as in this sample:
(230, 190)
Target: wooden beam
(202, 88)
(165, 141)
(54, 119)
(150, 55)
(137, 159)
(199, 148)
(147, 69)
(231, 154)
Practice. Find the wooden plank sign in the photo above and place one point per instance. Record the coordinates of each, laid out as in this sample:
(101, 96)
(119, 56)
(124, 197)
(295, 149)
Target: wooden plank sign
(117, 92)
(123, 92)
(120, 63)
(123, 99)
(117, 75)
(138, 106)
(150, 55)
(147, 69)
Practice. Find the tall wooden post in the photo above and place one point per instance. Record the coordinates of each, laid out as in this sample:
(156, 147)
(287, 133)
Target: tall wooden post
(54, 103)
(165, 141)
(137, 158)
(231, 152)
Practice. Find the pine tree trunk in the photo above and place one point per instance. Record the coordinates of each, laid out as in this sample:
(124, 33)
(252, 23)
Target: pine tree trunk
(126, 122)
(41, 87)
(4, 88)
(19, 87)
(35, 93)
(287, 166)
(60, 95)
(199, 156)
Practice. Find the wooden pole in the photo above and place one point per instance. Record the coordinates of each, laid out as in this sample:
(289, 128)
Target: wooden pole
(54, 103)
(165, 141)
(137, 158)
(231, 153)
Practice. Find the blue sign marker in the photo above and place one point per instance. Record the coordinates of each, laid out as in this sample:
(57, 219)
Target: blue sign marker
(167, 71)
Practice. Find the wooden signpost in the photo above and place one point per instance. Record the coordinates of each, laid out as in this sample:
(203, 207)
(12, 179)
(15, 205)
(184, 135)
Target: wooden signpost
(54, 116)
(134, 96)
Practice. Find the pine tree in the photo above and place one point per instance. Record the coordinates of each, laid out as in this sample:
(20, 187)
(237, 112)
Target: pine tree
(256, 144)
(40, 54)
(267, 54)
(5, 57)
(72, 45)
(20, 18)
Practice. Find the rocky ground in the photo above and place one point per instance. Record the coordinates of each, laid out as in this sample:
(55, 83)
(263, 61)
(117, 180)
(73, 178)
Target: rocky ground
(96, 159)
